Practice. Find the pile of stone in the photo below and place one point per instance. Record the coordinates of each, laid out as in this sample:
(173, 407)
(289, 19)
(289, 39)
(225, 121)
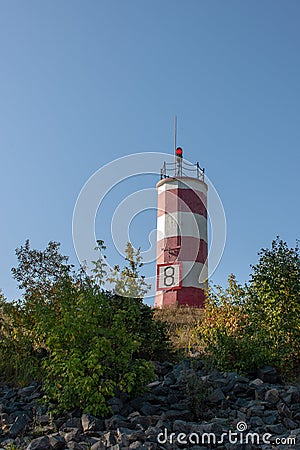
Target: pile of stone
(187, 407)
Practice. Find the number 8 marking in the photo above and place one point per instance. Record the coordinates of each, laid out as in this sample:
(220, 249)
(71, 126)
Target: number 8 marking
(168, 276)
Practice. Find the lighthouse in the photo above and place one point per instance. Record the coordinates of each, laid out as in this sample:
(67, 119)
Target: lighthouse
(182, 242)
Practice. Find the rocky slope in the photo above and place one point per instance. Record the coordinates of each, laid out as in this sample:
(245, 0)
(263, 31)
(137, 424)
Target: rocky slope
(187, 407)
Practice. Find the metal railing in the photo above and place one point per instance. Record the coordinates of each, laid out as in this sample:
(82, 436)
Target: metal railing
(182, 168)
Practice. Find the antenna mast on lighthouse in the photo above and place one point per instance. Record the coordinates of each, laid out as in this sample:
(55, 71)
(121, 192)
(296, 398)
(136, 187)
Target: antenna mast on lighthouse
(178, 152)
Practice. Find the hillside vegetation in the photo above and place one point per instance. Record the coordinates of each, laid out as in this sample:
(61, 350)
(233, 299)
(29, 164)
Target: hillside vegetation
(86, 344)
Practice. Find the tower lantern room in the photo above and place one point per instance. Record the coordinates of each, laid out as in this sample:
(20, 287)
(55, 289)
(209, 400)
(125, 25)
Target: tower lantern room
(182, 242)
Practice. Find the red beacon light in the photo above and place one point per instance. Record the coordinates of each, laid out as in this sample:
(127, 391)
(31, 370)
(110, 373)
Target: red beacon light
(179, 152)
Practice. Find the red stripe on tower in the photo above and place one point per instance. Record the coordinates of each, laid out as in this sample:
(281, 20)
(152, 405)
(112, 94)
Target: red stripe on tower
(182, 243)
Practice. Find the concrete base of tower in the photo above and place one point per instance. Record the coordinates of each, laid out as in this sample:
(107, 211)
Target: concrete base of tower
(187, 296)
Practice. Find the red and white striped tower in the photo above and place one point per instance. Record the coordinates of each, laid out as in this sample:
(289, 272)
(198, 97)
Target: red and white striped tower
(182, 242)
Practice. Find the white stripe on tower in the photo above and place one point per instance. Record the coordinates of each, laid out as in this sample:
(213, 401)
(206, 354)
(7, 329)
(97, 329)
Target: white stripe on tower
(182, 224)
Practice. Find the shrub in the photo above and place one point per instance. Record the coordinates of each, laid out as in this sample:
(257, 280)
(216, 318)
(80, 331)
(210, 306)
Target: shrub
(225, 340)
(244, 328)
(224, 335)
(91, 346)
(20, 362)
(274, 304)
(93, 343)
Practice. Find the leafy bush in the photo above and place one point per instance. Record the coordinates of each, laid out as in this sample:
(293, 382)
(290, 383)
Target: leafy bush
(274, 304)
(224, 339)
(224, 335)
(244, 328)
(20, 361)
(91, 348)
(83, 343)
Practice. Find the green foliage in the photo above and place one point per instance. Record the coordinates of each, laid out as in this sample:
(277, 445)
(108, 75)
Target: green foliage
(99, 269)
(128, 282)
(244, 328)
(83, 343)
(223, 335)
(20, 360)
(153, 333)
(39, 270)
(274, 303)
(91, 347)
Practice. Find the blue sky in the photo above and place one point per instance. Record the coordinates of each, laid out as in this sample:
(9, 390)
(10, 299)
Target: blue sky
(83, 83)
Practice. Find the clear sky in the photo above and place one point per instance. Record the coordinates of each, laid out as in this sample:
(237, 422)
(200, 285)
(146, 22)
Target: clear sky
(85, 82)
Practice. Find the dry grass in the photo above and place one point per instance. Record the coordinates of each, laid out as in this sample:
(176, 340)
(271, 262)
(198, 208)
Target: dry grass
(181, 322)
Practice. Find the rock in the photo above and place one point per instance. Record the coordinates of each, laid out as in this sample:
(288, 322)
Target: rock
(27, 390)
(72, 445)
(98, 446)
(241, 389)
(57, 442)
(138, 446)
(41, 443)
(90, 423)
(142, 422)
(272, 396)
(148, 410)
(270, 417)
(44, 419)
(116, 421)
(19, 426)
(256, 382)
(283, 410)
(34, 396)
(255, 408)
(73, 435)
(241, 403)
(10, 393)
(216, 396)
(116, 404)
(109, 438)
(174, 414)
(73, 422)
(276, 429)
(268, 374)
(289, 423)
(160, 391)
(260, 392)
(151, 434)
(256, 422)
(133, 435)
(228, 399)
(154, 384)
(294, 392)
(181, 426)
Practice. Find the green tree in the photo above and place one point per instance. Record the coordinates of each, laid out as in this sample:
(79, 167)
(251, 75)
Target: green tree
(128, 282)
(99, 269)
(274, 302)
(37, 270)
